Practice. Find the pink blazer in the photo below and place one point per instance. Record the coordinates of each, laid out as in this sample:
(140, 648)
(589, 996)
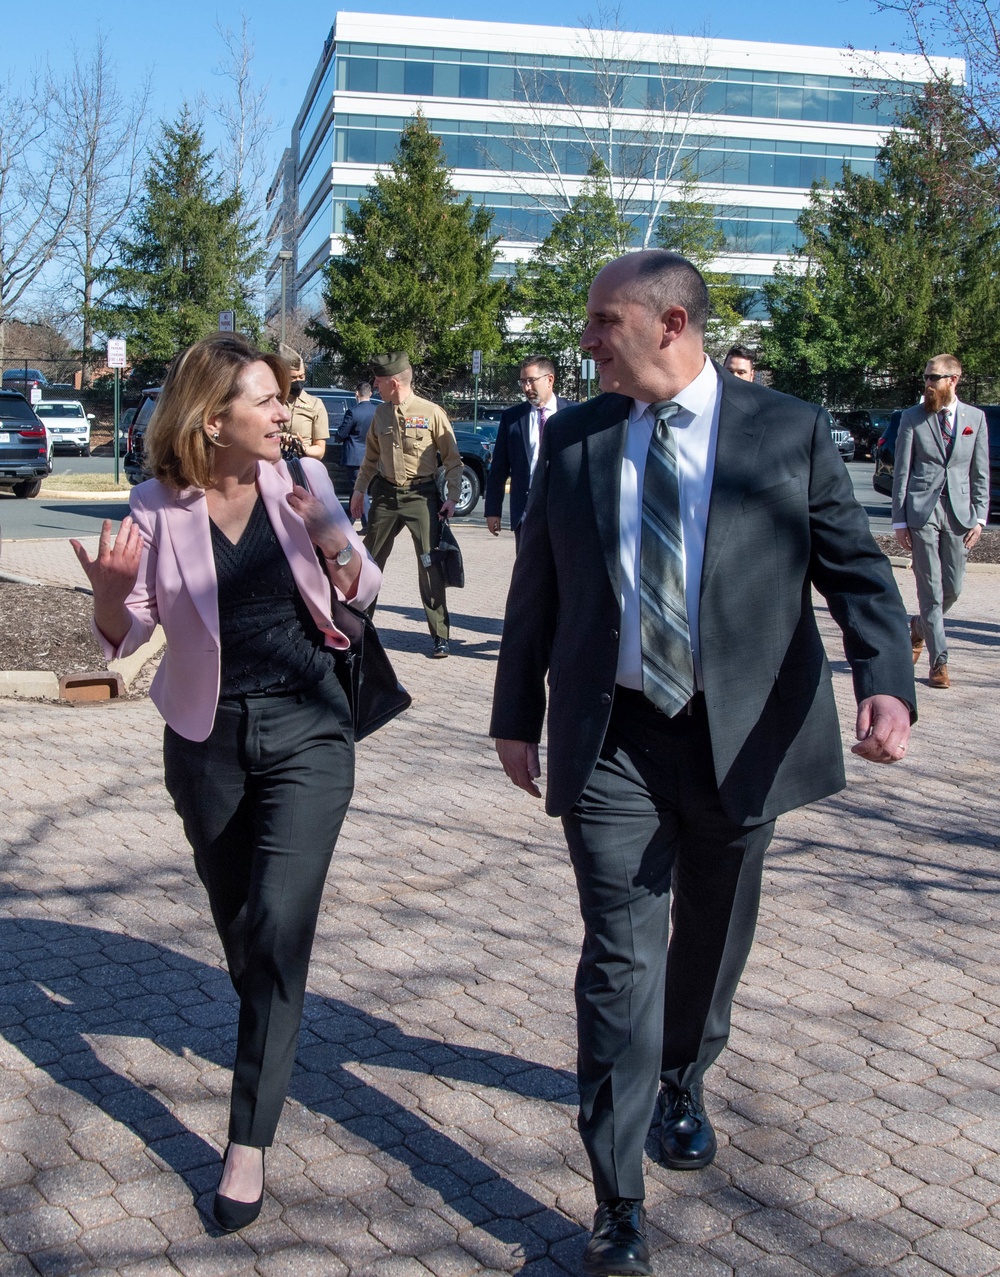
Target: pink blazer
(177, 586)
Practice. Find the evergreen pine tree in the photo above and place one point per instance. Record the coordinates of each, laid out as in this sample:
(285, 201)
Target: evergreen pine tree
(415, 271)
(689, 227)
(894, 268)
(185, 258)
(551, 287)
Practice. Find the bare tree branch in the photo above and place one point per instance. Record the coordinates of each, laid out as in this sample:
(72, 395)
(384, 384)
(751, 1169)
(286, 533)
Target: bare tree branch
(36, 202)
(641, 138)
(104, 141)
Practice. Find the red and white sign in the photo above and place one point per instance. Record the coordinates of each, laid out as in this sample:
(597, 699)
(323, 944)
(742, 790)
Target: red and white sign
(116, 352)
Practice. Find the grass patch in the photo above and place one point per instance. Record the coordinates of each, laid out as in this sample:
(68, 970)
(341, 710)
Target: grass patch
(84, 483)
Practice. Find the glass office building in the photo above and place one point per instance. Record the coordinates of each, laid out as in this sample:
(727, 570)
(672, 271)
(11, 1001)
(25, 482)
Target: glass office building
(522, 109)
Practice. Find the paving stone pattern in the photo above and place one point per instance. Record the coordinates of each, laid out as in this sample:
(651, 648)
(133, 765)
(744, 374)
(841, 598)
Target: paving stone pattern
(430, 1126)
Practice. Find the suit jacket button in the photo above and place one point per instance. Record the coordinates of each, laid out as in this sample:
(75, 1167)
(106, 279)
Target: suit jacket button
(614, 634)
(605, 698)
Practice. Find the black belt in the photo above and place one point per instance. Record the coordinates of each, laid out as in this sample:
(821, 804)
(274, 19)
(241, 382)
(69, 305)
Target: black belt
(633, 697)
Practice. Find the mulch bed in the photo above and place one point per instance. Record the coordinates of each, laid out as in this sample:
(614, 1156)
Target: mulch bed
(47, 627)
(986, 551)
(44, 627)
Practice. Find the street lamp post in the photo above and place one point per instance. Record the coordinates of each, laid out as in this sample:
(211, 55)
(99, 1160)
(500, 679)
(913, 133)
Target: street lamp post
(284, 256)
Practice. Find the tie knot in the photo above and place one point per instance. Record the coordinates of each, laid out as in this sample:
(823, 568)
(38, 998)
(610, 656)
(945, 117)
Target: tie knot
(665, 410)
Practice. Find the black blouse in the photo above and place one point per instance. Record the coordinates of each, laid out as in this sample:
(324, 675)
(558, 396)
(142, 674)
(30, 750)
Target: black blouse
(270, 642)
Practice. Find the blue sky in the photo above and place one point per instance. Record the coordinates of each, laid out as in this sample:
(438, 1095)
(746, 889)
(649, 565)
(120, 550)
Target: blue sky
(177, 42)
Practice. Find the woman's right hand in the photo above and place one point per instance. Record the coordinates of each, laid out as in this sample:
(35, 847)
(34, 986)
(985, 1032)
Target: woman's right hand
(112, 575)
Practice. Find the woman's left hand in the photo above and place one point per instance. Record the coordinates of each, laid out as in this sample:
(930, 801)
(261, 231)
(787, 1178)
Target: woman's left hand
(314, 514)
(324, 533)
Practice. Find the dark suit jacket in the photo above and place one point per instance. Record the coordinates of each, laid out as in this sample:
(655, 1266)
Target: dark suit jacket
(512, 460)
(353, 430)
(782, 518)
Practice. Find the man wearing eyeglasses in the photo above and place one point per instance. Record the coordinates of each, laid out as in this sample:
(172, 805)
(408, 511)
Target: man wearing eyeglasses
(940, 500)
(516, 448)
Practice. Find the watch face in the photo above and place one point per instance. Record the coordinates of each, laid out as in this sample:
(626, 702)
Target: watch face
(345, 555)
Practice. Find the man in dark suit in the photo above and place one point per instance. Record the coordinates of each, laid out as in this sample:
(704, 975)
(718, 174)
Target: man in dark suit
(940, 501)
(518, 437)
(675, 529)
(353, 431)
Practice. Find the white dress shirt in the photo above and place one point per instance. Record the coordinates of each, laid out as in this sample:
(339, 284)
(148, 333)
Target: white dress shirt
(697, 429)
(534, 435)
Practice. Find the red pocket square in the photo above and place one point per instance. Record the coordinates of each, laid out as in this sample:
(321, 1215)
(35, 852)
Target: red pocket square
(967, 430)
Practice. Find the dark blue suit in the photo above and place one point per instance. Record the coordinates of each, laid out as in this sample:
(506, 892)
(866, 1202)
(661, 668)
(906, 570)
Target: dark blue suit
(512, 460)
(353, 430)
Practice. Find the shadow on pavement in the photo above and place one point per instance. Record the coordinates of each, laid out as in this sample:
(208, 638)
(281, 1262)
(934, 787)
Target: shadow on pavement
(63, 985)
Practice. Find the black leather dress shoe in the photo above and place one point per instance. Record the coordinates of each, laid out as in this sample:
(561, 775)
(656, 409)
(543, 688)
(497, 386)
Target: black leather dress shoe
(441, 649)
(687, 1140)
(617, 1246)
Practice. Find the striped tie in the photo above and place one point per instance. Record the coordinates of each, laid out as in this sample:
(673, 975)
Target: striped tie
(667, 663)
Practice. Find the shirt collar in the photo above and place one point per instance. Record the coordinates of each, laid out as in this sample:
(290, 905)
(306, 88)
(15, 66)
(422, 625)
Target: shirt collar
(549, 407)
(694, 399)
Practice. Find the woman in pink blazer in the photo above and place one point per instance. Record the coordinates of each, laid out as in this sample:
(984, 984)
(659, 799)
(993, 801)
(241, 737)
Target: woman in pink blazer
(221, 550)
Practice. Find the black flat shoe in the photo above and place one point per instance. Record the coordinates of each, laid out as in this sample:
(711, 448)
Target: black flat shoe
(617, 1246)
(232, 1215)
(687, 1140)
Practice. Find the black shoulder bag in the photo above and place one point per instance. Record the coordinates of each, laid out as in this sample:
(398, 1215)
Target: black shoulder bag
(374, 693)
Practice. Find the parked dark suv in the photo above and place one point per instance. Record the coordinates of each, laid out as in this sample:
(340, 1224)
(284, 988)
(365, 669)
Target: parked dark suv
(24, 446)
(867, 425)
(475, 443)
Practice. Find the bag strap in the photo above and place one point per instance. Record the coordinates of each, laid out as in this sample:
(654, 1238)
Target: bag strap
(298, 472)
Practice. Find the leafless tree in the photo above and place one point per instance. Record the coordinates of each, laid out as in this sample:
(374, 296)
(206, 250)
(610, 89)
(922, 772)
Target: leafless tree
(962, 28)
(640, 132)
(105, 135)
(35, 204)
(245, 156)
(297, 334)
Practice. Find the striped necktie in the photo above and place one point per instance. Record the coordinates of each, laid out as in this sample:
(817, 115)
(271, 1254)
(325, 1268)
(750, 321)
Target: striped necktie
(667, 663)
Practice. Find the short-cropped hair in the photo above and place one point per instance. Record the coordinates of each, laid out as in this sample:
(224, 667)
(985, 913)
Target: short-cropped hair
(663, 279)
(201, 384)
(739, 352)
(952, 365)
(541, 363)
(364, 389)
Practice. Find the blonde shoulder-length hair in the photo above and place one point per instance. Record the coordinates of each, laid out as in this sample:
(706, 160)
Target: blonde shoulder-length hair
(202, 383)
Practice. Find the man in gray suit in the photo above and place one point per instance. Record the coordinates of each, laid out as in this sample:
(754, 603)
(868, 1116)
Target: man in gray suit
(675, 529)
(940, 501)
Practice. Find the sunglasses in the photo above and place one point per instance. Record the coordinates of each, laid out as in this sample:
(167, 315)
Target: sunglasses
(938, 376)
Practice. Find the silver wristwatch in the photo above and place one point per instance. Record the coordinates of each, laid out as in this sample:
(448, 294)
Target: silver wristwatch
(344, 556)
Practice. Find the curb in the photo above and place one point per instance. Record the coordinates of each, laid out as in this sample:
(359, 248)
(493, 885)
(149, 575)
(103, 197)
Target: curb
(43, 685)
(129, 666)
(57, 494)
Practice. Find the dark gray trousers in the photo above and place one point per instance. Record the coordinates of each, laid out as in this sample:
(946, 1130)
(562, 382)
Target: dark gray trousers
(653, 992)
(262, 801)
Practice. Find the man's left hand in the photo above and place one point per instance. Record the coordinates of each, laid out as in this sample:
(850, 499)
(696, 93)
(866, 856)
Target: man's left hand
(973, 535)
(447, 510)
(883, 729)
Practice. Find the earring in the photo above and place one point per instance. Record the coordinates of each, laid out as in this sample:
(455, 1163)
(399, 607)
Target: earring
(214, 436)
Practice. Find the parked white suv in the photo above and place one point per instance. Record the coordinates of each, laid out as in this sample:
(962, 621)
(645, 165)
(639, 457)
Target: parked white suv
(67, 423)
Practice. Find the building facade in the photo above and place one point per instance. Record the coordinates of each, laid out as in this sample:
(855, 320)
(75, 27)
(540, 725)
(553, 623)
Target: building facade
(522, 109)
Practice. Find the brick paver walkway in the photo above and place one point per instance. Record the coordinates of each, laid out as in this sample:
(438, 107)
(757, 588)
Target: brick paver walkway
(430, 1127)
